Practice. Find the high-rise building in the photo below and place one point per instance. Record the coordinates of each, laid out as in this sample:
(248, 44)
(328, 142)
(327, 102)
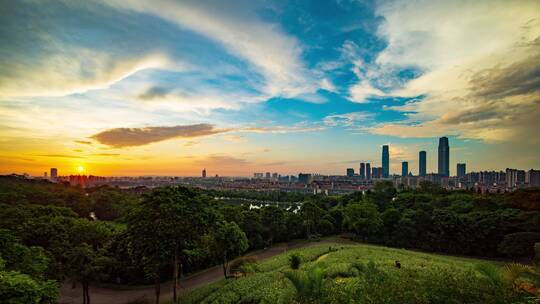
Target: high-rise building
(376, 172)
(204, 173)
(385, 161)
(54, 173)
(444, 157)
(532, 178)
(422, 163)
(305, 178)
(404, 168)
(362, 172)
(268, 175)
(350, 172)
(461, 170)
(368, 171)
(274, 176)
(514, 177)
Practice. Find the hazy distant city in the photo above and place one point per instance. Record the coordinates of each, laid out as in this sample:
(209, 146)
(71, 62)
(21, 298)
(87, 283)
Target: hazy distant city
(361, 178)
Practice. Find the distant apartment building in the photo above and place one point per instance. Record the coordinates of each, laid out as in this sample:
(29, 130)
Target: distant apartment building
(532, 178)
(54, 173)
(305, 178)
(514, 178)
(350, 172)
(422, 163)
(461, 170)
(368, 171)
(404, 168)
(362, 171)
(377, 172)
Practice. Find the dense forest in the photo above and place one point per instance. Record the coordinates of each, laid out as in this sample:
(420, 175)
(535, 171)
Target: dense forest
(50, 233)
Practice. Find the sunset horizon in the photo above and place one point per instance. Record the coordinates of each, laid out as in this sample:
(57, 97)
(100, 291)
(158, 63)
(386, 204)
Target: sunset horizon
(134, 88)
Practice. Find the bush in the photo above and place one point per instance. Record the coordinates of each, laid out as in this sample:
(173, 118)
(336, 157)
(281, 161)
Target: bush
(243, 265)
(294, 261)
(519, 244)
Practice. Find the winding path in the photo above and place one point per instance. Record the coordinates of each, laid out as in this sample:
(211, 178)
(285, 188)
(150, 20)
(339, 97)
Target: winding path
(101, 295)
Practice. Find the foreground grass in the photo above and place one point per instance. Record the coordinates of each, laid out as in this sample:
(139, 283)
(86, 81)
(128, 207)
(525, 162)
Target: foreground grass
(338, 273)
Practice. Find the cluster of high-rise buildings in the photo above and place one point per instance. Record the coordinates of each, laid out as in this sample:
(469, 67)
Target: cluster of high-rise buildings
(483, 181)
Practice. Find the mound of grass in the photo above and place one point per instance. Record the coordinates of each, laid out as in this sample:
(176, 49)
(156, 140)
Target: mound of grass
(364, 274)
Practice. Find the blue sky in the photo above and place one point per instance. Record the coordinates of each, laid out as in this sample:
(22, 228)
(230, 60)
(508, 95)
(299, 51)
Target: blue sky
(169, 87)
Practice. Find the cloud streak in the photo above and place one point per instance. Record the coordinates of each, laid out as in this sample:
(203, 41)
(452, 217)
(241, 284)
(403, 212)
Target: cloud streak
(130, 137)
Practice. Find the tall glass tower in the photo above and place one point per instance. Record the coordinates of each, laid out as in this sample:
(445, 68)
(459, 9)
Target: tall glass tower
(404, 168)
(385, 161)
(444, 157)
(422, 163)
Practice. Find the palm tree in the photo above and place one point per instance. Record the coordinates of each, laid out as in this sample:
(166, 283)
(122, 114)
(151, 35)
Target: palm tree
(308, 284)
(523, 278)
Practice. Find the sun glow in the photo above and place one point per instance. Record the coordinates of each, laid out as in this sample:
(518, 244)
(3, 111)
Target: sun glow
(80, 169)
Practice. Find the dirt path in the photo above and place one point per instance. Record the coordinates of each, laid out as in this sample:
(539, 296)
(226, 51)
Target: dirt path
(100, 295)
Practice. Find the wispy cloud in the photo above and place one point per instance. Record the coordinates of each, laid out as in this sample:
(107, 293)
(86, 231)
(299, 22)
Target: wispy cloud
(83, 142)
(236, 138)
(236, 26)
(282, 129)
(129, 137)
(221, 161)
(59, 155)
(154, 92)
(348, 119)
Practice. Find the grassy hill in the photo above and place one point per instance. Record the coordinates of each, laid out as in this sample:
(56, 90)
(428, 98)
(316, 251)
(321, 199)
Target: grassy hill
(343, 273)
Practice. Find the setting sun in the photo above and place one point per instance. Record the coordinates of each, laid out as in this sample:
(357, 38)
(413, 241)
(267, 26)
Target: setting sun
(80, 169)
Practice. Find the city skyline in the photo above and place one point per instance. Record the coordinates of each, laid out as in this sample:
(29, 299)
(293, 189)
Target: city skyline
(131, 88)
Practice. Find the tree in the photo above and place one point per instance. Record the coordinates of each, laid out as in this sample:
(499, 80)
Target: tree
(165, 224)
(20, 288)
(22, 274)
(363, 219)
(273, 219)
(311, 214)
(86, 265)
(231, 241)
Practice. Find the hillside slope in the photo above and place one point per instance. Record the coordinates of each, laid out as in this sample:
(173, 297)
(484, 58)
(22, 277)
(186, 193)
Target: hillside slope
(339, 273)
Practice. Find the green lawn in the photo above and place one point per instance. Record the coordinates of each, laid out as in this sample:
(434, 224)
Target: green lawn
(363, 274)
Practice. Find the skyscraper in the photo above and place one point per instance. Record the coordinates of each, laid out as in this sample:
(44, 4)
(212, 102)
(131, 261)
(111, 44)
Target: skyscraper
(385, 161)
(368, 171)
(204, 173)
(350, 172)
(444, 157)
(422, 164)
(404, 168)
(461, 170)
(362, 172)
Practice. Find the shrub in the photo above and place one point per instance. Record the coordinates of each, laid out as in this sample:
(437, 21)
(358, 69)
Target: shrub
(294, 261)
(243, 265)
(519, 244)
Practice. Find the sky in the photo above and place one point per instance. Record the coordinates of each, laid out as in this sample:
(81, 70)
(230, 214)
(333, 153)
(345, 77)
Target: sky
(129, 87)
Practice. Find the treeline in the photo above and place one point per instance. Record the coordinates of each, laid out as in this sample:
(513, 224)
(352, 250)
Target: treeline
(47, 234)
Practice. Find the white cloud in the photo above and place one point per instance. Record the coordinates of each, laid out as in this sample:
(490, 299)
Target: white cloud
(276, 55)
(348, 119)
(76, 70)
(361, 91)
(478, 57)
